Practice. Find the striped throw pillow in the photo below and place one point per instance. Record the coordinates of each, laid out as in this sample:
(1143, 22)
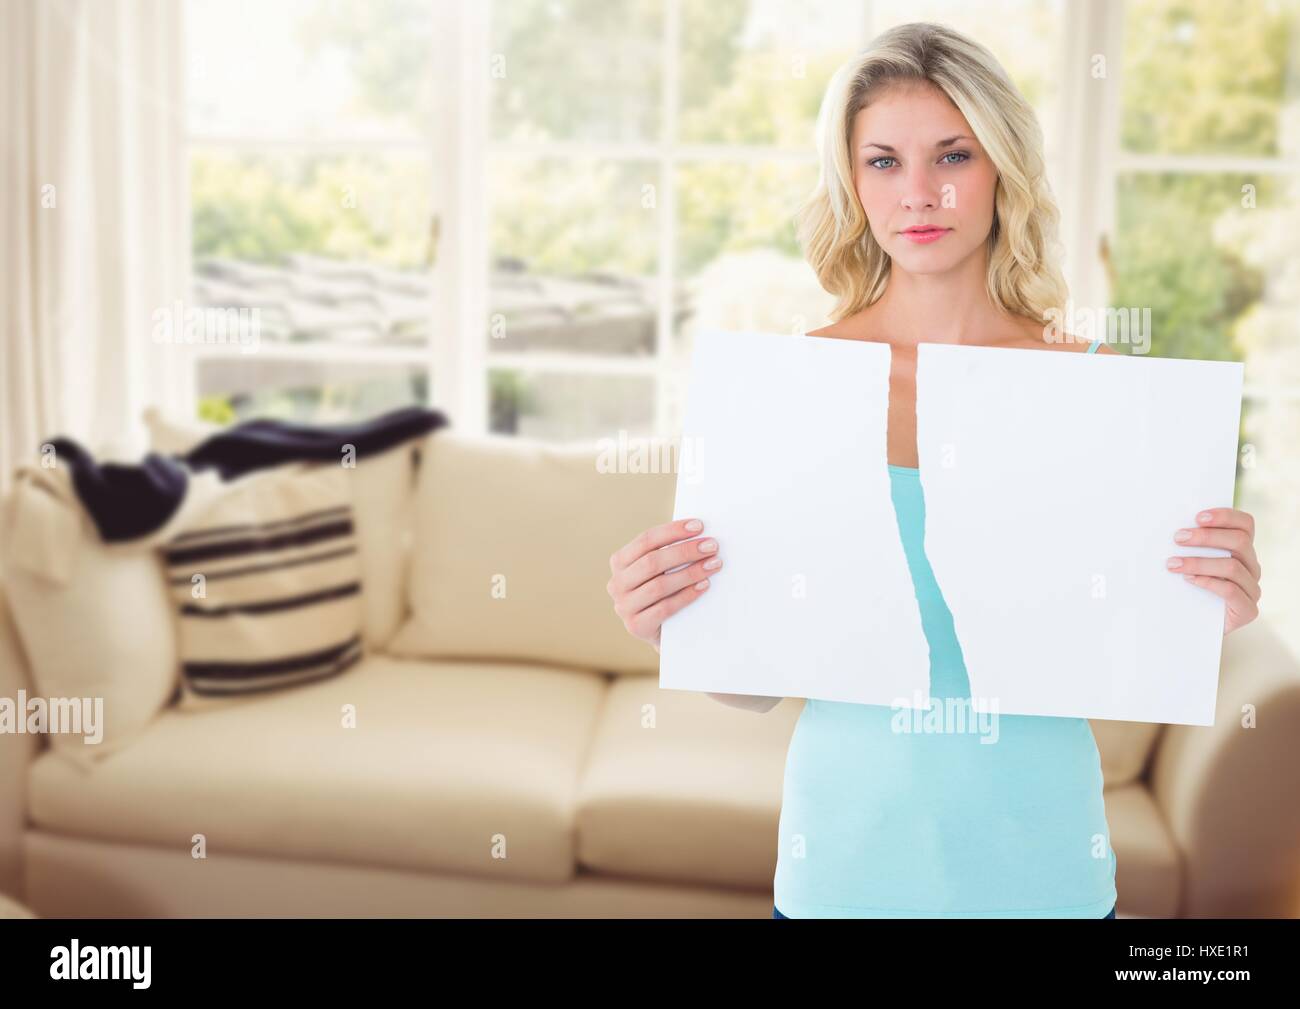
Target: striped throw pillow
(267, 584)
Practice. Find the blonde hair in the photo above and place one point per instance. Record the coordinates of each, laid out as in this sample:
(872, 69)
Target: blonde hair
(1024, 276)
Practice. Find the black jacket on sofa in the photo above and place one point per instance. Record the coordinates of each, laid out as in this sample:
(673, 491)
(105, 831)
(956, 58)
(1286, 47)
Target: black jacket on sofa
(127, 501)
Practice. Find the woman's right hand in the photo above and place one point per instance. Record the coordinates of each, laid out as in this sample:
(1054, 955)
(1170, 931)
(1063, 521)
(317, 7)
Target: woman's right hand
(645, 589)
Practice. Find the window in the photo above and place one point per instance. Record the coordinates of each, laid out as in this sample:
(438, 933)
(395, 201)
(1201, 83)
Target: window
(645, 159)
(523, 211)
(310, 163)
(633, 167)
(1206, 212)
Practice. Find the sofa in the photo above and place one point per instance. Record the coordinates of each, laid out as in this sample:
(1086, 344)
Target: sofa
(512, 755)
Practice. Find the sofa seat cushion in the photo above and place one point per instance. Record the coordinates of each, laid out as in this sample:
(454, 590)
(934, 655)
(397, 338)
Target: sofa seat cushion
(681, 787)
(1148, 867)
(451, 766)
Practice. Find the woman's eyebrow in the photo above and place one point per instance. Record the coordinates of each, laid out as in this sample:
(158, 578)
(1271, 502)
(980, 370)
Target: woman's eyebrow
(942, 143)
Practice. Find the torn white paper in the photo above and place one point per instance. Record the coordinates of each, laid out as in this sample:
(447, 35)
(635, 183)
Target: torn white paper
(1053, 484)
(783, 457)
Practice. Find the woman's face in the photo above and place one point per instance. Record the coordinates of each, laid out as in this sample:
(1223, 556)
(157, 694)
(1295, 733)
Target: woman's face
(908, 170)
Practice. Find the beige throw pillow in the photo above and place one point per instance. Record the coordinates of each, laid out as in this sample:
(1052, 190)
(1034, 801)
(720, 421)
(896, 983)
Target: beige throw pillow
(382, 491)
(96, 626)
(267, 584)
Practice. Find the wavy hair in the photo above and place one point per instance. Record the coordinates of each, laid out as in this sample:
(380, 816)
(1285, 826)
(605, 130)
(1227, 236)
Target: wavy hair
(1024, 275)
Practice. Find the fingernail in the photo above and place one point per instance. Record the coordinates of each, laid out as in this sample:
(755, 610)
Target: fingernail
(1174, 562)
(1189, 577)
(708, 545)
(712, 563)
(1204, 517)
(694, 525)
(702, 585)
(1183, 535)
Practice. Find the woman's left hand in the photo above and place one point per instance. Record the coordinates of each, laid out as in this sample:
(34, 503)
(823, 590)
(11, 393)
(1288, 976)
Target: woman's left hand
(1235, 578)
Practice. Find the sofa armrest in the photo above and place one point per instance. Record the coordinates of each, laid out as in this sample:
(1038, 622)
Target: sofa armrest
(16, 753)
(1230, 793)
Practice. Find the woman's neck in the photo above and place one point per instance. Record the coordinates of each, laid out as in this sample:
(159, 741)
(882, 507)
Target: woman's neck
(950, 307)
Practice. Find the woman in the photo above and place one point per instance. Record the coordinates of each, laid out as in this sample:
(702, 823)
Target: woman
(932, 222)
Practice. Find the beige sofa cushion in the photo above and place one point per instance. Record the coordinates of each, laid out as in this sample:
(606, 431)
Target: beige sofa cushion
(682, 787)
(1124, 747)
(511, 553)
(100, 631)
(382, 491)
(455, 767)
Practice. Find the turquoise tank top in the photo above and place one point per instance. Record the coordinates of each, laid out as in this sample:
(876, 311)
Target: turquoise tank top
(878, 822)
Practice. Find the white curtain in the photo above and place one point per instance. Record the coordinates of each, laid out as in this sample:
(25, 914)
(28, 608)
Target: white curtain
(94, 219)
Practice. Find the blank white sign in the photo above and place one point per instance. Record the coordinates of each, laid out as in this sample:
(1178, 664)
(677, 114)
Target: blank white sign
(783, 457)
(1054, 483)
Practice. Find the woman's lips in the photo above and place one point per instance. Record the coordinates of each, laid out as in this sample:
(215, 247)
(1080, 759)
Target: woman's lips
(926, 236)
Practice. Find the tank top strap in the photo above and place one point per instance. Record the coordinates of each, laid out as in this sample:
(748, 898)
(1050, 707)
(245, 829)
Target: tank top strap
(1093, 346)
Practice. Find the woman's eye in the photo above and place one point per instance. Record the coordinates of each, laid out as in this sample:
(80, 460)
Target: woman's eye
(960, 155)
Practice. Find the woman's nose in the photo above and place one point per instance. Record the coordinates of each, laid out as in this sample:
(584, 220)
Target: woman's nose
(920, 199)
(920, 192)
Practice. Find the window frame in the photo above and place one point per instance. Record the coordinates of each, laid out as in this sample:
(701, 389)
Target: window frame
(459, 363)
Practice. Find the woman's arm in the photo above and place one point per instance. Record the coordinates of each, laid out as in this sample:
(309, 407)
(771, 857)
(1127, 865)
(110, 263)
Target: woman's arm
(751, 702)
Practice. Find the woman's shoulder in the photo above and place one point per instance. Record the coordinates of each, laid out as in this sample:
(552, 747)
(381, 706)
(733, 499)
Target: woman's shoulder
(855, 327)
(864, 324)
(1079, 344)
(1023, 333)
(1034, 335)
